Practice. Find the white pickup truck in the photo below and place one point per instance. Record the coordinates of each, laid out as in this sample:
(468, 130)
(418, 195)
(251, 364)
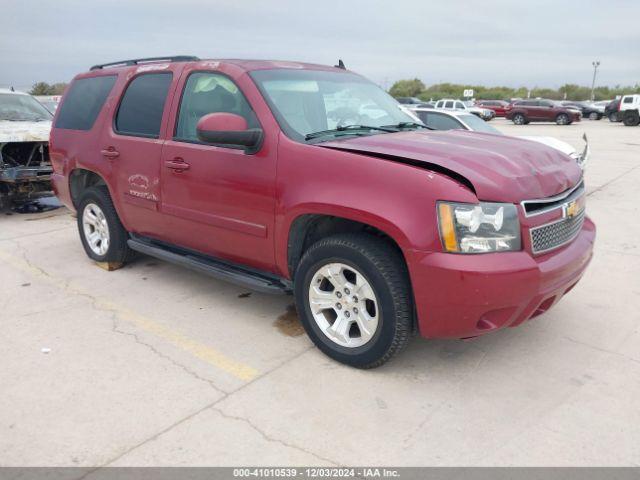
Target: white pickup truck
(630, 110)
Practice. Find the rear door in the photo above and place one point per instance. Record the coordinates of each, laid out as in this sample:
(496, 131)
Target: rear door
(133, 146)
(547, 110)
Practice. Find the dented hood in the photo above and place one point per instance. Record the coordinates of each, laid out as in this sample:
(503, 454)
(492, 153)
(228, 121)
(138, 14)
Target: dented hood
(500, 168)
(24, 131)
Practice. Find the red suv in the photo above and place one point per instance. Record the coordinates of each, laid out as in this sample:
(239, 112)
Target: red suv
(294, 178)
(498, 106)
(522, 112)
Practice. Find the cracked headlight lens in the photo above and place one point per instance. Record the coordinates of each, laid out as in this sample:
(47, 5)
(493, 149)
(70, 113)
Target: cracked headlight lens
(479, 228)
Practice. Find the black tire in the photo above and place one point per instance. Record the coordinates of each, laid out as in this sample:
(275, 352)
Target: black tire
(563, 119)
(519, 119)
(385, 270)
(594, 116)
(631, 119)
(118, 250)
(613, 117)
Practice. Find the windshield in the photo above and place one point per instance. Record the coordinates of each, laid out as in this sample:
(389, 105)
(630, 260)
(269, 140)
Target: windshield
(22, 108)
(478, 125)
(308, 101)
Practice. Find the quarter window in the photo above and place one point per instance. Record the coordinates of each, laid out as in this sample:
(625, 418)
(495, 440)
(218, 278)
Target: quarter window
(448, 105)
(140, 112)
(206, 93)
(83, 102)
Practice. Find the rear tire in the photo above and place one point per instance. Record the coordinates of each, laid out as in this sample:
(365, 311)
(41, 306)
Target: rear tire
(362, 312)
(563, 119)
(519, 119)
(631, 119)
(613, 117)
(102, 235)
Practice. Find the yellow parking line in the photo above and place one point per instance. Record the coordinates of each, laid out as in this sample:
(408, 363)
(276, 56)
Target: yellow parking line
(197, 349)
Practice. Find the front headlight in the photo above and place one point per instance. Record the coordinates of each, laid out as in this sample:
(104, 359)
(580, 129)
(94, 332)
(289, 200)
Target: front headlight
(479, 228)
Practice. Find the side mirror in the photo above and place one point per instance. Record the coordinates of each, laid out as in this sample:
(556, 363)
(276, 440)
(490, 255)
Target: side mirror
(228, 129)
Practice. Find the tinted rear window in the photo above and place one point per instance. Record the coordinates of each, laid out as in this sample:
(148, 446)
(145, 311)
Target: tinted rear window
(140, 112)
(83, 102)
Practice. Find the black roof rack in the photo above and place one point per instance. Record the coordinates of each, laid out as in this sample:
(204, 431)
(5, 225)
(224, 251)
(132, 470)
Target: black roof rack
(136, 61)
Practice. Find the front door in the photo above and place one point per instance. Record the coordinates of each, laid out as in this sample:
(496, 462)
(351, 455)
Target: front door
(222, 201)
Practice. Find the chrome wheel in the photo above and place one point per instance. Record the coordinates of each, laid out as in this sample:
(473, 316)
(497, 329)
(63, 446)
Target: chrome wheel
(562, 119)
(593, 116)
(344, 305)
(518, 120)
(96, 229)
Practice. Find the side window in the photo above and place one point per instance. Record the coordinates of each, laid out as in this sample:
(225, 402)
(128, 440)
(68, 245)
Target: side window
(449, 104)
(628, 100)
(83, 102)
(442, 122)
(141, 107)
(207, 92)
(459, 106)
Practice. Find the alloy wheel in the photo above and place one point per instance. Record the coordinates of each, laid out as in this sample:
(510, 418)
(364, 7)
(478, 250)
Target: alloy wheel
(344, 305)
(96, 229)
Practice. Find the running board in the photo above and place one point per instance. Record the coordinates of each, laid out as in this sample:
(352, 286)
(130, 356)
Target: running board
(236, 274)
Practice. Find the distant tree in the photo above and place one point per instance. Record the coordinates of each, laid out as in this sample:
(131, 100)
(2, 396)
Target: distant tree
(415, 88)
(58, 88)
(407, 88)
(43, 88)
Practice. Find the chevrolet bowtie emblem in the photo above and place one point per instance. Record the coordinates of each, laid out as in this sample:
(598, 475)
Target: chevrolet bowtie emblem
(570, 209)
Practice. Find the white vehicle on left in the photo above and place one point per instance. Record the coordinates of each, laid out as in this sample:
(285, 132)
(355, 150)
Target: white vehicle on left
(455, 120)
(25, 168)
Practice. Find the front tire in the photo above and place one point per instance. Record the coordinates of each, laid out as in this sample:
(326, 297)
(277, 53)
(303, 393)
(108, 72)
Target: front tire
(563, 119)
(103, 237)
(354, 298)
(613, 117)
(594, 116)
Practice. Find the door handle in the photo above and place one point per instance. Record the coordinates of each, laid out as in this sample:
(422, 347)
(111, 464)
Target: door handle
(177, 164)
(110, 152)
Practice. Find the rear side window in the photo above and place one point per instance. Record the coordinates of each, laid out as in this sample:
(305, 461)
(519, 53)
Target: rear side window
(628, 100)
(141, 107)
(83, 102)
(448, 105)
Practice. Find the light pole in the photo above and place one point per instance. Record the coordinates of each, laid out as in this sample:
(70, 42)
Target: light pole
(595, 64)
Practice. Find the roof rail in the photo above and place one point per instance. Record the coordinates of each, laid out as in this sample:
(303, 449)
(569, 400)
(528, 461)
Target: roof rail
(136, 61)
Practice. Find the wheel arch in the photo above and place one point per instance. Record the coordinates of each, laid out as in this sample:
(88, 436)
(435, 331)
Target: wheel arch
(307, 228)
(81, 179)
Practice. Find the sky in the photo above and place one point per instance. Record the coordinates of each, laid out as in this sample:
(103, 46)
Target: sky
(537, 43)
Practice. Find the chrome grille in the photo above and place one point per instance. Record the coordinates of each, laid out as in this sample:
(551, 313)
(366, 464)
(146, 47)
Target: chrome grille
(554, 235)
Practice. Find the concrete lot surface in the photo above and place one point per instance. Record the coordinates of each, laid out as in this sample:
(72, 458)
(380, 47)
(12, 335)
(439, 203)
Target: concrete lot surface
(154, 364)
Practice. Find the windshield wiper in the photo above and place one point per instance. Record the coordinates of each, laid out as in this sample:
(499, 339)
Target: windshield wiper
(355, 128)
(402, 125)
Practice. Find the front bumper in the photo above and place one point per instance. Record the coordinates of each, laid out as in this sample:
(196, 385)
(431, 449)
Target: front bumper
(461, 296)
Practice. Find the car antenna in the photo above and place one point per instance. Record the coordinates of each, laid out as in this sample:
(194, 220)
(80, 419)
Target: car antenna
(340, 65)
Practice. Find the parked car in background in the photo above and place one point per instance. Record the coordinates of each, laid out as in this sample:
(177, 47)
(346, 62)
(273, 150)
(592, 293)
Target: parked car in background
(522, 112)
(50, 102)
(611, 110)
(25, 168)
(589, 110)
(452, 120)
(630, 110)
(409, 100)
(498, 106)
(451, 104)
(273, 175)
